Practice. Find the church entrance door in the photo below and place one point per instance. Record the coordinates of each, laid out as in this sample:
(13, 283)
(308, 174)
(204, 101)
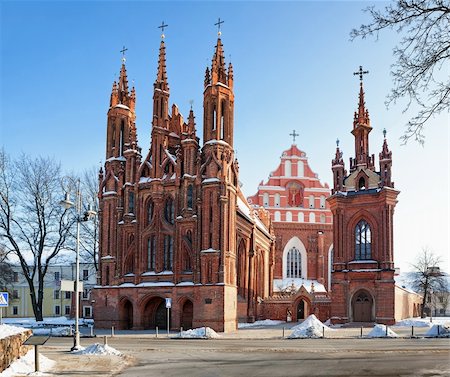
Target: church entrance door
(126, 315)
(155, 314)
(161, 316)
(362, 307)
(301, 310)
(188, 313)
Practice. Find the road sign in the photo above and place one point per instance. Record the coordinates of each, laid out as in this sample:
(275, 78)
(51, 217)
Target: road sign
(168, 303)
(4, 299)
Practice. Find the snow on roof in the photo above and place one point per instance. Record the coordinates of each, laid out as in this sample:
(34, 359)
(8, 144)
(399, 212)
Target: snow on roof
(121, 106)
(214, 141)
(280, 285)
(171, 156)
(211, 180)
(245, 209)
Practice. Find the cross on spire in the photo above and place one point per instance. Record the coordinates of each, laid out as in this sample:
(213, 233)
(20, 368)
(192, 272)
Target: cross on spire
(219, 24)
(294, 135)
(123, 54)
(361, 73)
(162, 27)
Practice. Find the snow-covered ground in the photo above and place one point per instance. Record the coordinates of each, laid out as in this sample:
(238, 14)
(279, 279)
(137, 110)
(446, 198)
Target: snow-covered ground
(266, 322)
(25, 365)
(199, 333)
(98, 349)
(8, 330)
(311, 327)
(440, 330)
(52, 326)
(379, 331)
(423, 322)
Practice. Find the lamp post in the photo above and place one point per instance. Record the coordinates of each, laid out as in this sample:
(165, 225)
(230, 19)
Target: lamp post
(67, 204)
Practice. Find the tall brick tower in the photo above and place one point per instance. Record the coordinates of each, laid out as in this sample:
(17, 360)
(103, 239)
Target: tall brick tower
(362, 203)
(219, 189)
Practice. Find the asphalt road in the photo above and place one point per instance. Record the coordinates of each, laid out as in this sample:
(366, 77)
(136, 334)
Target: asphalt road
(148, 356)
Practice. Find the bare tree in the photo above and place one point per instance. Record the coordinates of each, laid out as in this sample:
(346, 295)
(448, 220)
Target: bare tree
(426, 276)
(420, 73)
(6, 272)
(32, 223)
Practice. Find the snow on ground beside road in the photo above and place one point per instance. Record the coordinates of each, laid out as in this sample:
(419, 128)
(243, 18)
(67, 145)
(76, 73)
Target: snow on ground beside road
(266, 322)
(442, 331)
(25, 365)
(311, 327)
(379, 331)
(31, 322)
(52, 331)
(7, 330)
(198, 333)
(416, 322)
(98, 349)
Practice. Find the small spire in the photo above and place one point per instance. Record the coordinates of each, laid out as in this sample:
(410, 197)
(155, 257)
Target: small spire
(123, 85)
(161, 76)
(218, 70)
(207, 77)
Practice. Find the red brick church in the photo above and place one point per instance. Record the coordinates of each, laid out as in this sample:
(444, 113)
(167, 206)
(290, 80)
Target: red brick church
(176, 228)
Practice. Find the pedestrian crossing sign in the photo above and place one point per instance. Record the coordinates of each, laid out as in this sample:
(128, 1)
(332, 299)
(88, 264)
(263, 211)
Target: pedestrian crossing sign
(4, 299)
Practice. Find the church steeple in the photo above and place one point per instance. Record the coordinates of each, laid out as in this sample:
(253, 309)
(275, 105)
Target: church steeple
(385, 164)
(218, 104)
(161, 90)
(361, 130)
(337, 166)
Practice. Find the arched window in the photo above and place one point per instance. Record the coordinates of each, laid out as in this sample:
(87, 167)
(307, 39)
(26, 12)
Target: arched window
(287, 168)
(151, 253)
(322, 201)
(169, 211)
(131, 202)
(190, 197)
(150, 208)
(222, 119)
(362, 184)
(363, 241)
(168, 253)
(122, 137)
(293, 264)
(277, 200)
(266, 199)
(312, 217)
(277, 216)
(300, 169)
(214, 120)
(322, 218)
(288, 216)
(311, 201)
(301, 217)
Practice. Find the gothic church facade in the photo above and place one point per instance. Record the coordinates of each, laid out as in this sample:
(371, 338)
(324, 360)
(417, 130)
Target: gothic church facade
(174, 225)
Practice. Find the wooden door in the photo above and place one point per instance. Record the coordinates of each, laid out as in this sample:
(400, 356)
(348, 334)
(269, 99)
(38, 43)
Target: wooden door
(188, 313)
(362, 308)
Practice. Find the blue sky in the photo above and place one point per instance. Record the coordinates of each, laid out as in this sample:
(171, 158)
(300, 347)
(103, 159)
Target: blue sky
(293, 65)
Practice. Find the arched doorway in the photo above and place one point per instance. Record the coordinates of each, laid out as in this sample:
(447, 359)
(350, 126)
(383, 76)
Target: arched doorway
(362, 307)
(187, 315)
(301, 310)
(155, 314)
(126, 315)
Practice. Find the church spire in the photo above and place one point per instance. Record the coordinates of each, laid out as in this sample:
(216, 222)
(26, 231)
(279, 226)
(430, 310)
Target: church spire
(161, 76)
(361, 129)
(161, 88)
(218, 70)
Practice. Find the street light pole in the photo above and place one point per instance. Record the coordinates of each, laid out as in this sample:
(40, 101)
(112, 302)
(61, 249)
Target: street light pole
(66, 203)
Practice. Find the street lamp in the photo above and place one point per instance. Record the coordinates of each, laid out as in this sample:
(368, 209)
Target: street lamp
(87, 215)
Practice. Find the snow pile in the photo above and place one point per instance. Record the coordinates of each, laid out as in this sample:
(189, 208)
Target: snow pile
(266, 322)
(379, 331)
(7, 330)
(413, 322)
(53, 331)
(55, 321)
(311, 327)
(25, 365)
(442, 331)
(199, 333)
(98, 349)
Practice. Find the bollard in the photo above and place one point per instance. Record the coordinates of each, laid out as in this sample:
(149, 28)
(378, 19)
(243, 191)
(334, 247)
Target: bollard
(205, 332)
(438, 327)
(412, 331)
(105, 340)
(283, 332)
(92, 331)
(181, 330)
(361, 332)
(386, 330)
(323, 332)
(112, 331)
(156, 331)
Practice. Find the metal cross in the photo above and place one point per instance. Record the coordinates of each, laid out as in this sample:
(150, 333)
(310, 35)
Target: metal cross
(360, 73)
(123, 51)
(294, 134)
(191, 102)
(162, 27)
(218, 24)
